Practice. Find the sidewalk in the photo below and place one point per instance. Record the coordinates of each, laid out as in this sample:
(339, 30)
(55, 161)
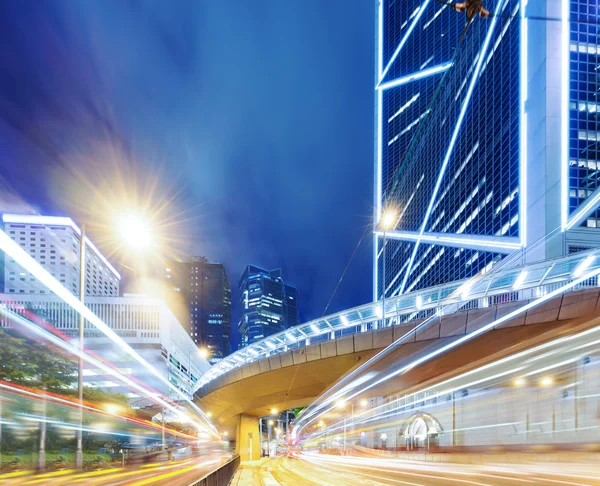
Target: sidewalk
(248, 474)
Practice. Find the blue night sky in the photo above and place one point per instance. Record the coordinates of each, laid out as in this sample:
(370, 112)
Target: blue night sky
(253, 117)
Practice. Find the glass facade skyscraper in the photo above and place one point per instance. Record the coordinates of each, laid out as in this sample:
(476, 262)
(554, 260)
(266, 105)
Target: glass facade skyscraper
(484, 147)
(584, 133)
(201, 298)
(268, 304)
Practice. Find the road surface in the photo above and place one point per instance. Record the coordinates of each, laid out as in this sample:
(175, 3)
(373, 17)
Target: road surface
(322, 470)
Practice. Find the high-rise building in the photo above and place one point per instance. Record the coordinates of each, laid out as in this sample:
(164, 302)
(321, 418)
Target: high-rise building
(268, 304)
(487, 147)
(54, 242)
(201, 298)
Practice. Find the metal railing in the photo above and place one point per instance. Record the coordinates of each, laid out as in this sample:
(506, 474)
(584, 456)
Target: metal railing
(483, 290)
(221, 476)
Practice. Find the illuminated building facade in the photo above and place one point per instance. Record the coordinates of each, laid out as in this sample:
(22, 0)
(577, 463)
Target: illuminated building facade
(204, 296)
(484, 149)
(54, 242)
(268, 304)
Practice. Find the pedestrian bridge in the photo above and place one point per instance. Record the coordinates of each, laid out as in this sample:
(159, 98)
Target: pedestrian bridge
(521, 306)
(351, 331)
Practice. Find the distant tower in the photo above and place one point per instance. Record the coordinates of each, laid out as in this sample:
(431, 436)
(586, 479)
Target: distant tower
(201, 298)
(268, 304)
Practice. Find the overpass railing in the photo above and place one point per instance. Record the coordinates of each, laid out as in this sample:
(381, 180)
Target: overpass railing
(483, 290)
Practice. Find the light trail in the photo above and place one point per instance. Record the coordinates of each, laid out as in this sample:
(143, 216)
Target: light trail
(74, 350)
(12, 249)
(304, 421)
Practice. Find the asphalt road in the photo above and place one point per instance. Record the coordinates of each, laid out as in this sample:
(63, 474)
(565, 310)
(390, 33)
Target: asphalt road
(310, 470)
(174, 473)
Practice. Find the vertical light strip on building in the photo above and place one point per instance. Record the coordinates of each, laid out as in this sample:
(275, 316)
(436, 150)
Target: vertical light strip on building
(378, 182)
(523, 127)
(565, 122)
(461, 116)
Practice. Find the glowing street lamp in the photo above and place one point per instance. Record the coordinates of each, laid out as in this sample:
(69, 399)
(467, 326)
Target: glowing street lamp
(135, 231)
(388, 219)
(112, 408)
(520, 382)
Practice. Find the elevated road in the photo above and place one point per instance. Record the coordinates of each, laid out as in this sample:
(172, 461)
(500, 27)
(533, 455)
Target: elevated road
(296, 377)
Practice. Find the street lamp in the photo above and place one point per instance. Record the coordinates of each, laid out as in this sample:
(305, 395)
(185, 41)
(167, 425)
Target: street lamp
(269, 425)
(112, 408)
(341, 404)
(387, 222)
(135, 232)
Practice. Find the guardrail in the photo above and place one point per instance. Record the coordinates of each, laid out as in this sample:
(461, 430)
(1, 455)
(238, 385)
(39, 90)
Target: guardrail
(507, 285)
(221, 476)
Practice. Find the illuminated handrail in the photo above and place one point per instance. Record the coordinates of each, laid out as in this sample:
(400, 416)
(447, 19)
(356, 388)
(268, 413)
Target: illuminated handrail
(518, 283)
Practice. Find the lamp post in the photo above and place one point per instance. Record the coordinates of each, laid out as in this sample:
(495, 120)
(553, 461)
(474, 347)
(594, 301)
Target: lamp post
(387, 222)
(135, 232)
(79, 449)
(164, 445)
(341, 404)
(269, 425)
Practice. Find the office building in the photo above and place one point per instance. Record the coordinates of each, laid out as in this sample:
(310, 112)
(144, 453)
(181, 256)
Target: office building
(201, 298)
(268, 304)
(54, 242)
(486, 149)
(146, 324)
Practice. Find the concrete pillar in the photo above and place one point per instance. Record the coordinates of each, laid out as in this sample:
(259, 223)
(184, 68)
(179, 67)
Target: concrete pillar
(247, 441)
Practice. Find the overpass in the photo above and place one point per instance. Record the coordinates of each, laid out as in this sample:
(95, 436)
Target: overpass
(292, 368)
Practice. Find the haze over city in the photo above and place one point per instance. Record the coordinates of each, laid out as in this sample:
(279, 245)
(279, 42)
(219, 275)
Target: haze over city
(299, 243)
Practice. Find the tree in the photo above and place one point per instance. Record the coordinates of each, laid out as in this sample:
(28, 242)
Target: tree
(34, 364)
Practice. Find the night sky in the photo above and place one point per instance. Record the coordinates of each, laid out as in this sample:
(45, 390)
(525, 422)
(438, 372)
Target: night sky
(251, 120)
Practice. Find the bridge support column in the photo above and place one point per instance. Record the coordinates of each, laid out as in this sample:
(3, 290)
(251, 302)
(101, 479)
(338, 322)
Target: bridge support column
(247, 442)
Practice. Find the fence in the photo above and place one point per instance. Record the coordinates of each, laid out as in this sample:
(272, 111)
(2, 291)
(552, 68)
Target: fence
(221, 476)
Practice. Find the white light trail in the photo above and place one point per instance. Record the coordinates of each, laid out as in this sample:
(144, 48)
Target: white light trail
(13, 250)
(511, 315)
(74, 350)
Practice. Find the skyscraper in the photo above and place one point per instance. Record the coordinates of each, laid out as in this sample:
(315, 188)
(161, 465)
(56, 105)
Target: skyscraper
(54, 242)
(201, 299)
(486, 148)
(268, 304)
